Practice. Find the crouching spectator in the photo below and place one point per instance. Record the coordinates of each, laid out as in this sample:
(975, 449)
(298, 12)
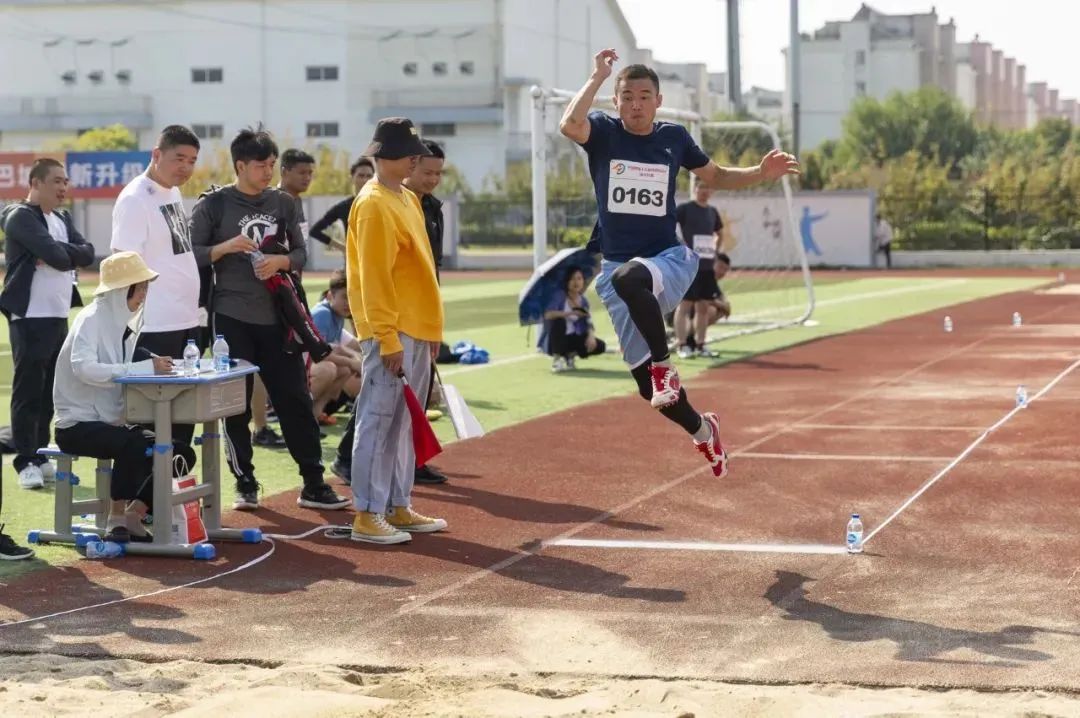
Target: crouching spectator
(339, 373)
(568, 329)
(90, 404)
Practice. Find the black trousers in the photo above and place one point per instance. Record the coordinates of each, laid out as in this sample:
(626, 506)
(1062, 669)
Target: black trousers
(35, 346)
(171, 344)
(561, 344)
(887, 251)
(285, 378)
(127, 447)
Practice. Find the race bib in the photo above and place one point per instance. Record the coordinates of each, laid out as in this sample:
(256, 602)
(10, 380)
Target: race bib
(637, 188)
(705, 245)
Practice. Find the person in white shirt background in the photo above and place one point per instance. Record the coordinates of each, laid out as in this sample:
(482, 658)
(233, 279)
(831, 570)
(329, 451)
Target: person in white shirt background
(149, 219)
(42, 248)
(883, 236)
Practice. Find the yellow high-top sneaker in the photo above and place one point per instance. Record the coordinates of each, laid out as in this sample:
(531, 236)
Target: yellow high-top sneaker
(404, 518)
(373, 528)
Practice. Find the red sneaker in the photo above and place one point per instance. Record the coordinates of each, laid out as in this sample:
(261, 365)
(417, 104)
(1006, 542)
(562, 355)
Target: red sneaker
(712, 448)
(665, 385)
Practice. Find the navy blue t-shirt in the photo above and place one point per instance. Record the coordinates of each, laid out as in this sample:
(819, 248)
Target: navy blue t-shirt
(634, 177)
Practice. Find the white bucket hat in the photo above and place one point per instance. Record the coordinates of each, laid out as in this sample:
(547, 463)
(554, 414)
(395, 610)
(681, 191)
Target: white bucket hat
(121, 270)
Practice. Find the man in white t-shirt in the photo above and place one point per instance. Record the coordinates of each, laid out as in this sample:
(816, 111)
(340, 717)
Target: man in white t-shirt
(883, 236)
(42, 249)
(149, 219)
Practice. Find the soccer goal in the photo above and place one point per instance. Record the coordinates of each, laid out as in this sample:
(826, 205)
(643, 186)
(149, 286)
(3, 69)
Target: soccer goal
(770, 284)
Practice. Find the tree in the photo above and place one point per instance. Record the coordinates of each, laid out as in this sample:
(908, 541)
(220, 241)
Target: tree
(116, 138)
(928, 121)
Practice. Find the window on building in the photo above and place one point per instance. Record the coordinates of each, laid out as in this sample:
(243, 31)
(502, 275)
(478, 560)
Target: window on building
(860, 57)
(208, 132)
(468, 67)
(438, 129)
(322, 129)
(438, 68)
(409, 68)
(860, 88)
(322, 73)
(202, 75)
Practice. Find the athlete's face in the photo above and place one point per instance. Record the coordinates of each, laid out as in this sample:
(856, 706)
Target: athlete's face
(175, 165)
(637, 102)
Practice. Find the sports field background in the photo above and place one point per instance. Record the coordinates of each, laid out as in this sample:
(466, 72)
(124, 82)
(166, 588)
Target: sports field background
(518, 384)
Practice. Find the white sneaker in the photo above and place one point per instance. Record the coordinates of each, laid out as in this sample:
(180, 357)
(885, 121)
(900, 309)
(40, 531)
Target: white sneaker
(31, 478)
(48, 472)
(558, 366)
(570, 365)
(686, 352)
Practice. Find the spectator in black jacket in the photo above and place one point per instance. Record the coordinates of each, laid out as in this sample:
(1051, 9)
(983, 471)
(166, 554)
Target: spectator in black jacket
(362, 170)
(43, 248)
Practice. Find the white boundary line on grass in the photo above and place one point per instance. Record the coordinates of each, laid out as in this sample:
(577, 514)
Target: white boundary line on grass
(515, 358)
(966, 452)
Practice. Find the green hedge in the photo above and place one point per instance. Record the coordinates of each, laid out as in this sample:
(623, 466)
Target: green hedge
(928, 235)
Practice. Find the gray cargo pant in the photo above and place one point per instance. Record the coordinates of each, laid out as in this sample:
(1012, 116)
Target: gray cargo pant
(383, 463)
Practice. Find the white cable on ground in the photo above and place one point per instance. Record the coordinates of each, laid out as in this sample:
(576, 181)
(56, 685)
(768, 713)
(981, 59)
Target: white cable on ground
(268, 538)
(971, 447)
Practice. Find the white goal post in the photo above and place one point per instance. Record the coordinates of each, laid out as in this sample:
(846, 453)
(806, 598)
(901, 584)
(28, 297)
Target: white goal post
(774, 288)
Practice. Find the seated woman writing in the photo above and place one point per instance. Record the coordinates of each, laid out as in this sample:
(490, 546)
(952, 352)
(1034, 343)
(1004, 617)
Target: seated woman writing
(90, 404)
(568, 329)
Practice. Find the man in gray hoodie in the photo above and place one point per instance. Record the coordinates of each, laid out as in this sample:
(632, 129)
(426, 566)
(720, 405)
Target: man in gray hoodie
(249, 232)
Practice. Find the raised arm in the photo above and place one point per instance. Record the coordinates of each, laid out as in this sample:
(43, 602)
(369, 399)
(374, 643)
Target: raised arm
(575, 120)
(773, 166)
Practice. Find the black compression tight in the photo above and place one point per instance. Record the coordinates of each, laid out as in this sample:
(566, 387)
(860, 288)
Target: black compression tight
(680, 412)
(634, 285)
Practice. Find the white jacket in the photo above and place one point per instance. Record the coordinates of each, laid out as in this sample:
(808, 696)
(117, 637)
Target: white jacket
(94, 354)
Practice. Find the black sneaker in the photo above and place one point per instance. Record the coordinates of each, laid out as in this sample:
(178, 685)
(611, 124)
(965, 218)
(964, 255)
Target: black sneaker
(342, 471)
(247, 494)
(428, 475)
(320, 496)
(268, 438)
(11, 551)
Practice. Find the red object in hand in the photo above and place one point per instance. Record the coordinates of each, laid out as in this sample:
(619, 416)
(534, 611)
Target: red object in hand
(425, 443)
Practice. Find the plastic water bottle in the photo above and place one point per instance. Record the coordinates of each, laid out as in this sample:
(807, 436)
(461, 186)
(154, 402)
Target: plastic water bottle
(221, 354)
(1017, 319)
(104, 550)
(191, 358)
(1021, 396)
(948, 324)
(854, 534)
(256, 256)
(1061, 277)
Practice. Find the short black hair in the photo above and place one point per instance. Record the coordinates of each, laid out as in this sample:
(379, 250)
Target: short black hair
(42, 166)
(292, 157)
(337, 280)
(177, 136)
(570, 275)
(721, 256)
(435, 149)
(253, 144)
(362, 162)
(638, 72)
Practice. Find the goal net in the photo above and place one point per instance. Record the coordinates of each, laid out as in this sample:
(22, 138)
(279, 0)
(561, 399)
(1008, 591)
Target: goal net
(769, 285)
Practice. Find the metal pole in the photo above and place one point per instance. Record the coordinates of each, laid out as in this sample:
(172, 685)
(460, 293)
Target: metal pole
(538, 153)
(794, 81)
(733, 61)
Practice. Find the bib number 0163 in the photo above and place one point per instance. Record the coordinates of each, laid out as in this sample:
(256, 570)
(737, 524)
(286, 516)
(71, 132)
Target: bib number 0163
(643, 197)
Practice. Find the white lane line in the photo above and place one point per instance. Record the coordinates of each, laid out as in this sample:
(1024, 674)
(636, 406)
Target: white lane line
(846, 457)
(971, 447)
(466, 368)
(885, 427)
(700, 546)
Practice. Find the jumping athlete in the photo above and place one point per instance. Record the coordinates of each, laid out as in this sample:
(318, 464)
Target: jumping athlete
(646, 270)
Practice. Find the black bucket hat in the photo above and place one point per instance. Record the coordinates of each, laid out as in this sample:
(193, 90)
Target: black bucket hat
(395, 138)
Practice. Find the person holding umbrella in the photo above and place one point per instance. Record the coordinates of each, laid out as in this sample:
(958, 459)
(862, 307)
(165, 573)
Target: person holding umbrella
(568, 332)
(395, 304)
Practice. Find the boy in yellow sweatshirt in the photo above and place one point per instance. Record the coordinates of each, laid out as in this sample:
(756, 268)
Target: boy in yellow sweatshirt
(395, 303)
